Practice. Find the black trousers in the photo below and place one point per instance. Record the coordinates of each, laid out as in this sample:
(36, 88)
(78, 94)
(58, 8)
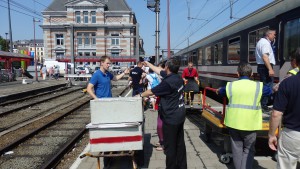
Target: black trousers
(174, 146)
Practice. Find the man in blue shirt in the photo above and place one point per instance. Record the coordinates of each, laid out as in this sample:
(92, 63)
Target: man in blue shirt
(100, 80)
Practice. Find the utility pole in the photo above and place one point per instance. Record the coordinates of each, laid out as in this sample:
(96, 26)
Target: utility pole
(155, 7)
(10, 32)
(6, 44)
(157, 11)
(169, 37)
(35, 59)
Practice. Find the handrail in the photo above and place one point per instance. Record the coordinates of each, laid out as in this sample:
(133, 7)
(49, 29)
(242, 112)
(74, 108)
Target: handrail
(205, 106)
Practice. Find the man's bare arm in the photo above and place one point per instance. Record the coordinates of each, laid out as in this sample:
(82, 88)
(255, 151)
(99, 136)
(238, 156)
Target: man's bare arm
(90, 90)
(154, 68)
(266, 60)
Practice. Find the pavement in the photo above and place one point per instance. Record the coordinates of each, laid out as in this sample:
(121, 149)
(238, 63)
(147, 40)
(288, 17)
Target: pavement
(200, 155)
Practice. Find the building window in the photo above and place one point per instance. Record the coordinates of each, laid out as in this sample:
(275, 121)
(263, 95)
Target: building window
(93, 38)
(115, 41)
(41, 53)
(115, 52)
(79, 38)
(86, 53)
(60, 55)
(93, 15)
(78, 17)
(94, 63)
(59, 39)
(86, 17)
(254, 37)
(234, 48)
(86, 38)
(30, 49)
(93, 53)
(207, 56)
(79, 53)
(218, 53)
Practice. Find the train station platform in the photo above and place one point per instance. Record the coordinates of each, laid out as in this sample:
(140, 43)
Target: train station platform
(199, 153)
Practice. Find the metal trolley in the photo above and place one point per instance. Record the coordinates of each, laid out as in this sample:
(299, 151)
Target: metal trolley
(214, 122)
(116, 129)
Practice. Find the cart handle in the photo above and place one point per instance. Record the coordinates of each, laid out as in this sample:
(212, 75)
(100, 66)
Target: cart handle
(205, 106)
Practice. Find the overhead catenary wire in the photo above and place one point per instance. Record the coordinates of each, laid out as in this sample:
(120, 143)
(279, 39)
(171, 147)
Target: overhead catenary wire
(20, 12)
(247, 5)
(26, 10)
(201, 26)
(188, 27)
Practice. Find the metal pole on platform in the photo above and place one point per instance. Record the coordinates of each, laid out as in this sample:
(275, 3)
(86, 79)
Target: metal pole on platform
(72, 49)
(169, 36)
(157, 10)
(35, 59)
(10, 31)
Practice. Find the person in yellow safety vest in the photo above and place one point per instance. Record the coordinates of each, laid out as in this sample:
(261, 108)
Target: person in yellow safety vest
(243, 114)
(291, 72)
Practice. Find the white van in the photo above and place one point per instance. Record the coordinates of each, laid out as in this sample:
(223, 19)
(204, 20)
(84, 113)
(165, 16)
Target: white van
(61, 65)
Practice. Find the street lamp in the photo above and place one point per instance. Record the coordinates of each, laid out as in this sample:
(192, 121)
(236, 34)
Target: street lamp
(35, 59)
(6, 44)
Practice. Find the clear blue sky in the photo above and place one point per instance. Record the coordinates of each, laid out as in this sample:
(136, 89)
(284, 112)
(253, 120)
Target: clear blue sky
(181, 27)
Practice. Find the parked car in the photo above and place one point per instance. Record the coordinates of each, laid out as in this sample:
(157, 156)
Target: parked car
(116, 70)
(79, 70)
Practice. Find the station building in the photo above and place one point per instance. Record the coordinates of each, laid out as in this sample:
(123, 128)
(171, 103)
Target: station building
(89, 29)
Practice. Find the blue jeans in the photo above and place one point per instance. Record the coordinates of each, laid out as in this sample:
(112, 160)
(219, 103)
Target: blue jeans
(137, 91)
(263, 72)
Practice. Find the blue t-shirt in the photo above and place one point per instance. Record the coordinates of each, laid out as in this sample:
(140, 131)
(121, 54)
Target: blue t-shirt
(101, 83)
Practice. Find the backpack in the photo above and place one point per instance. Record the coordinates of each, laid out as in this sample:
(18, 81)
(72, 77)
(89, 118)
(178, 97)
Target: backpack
(155, 81)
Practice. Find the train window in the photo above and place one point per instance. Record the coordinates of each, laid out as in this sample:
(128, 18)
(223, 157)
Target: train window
(207, 56)
(234, 48)
(253, 38)
(184, 60)
(200, 54)
(218, 51)
(194, 57)
(291, 38)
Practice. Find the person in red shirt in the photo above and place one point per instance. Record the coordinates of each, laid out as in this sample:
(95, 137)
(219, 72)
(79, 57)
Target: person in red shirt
(190, 77)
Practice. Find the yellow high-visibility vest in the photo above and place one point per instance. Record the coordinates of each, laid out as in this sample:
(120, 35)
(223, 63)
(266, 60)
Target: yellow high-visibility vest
(244, 111)
(294, 71)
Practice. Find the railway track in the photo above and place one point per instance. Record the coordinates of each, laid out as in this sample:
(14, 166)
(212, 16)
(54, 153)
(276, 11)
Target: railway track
(43, 143)
(9, 102)
(30, 109)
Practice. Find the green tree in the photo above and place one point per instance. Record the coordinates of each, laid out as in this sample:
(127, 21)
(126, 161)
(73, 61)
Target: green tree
(3, 44)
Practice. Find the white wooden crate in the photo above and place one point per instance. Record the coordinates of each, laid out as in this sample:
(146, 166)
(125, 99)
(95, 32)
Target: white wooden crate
(116, 110)
(115, 137)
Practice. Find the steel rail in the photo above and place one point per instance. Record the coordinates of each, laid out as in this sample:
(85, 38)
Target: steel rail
(36, 102)
(66, 112)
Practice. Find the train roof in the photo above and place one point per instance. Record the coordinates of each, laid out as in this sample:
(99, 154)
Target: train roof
(263, 14)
